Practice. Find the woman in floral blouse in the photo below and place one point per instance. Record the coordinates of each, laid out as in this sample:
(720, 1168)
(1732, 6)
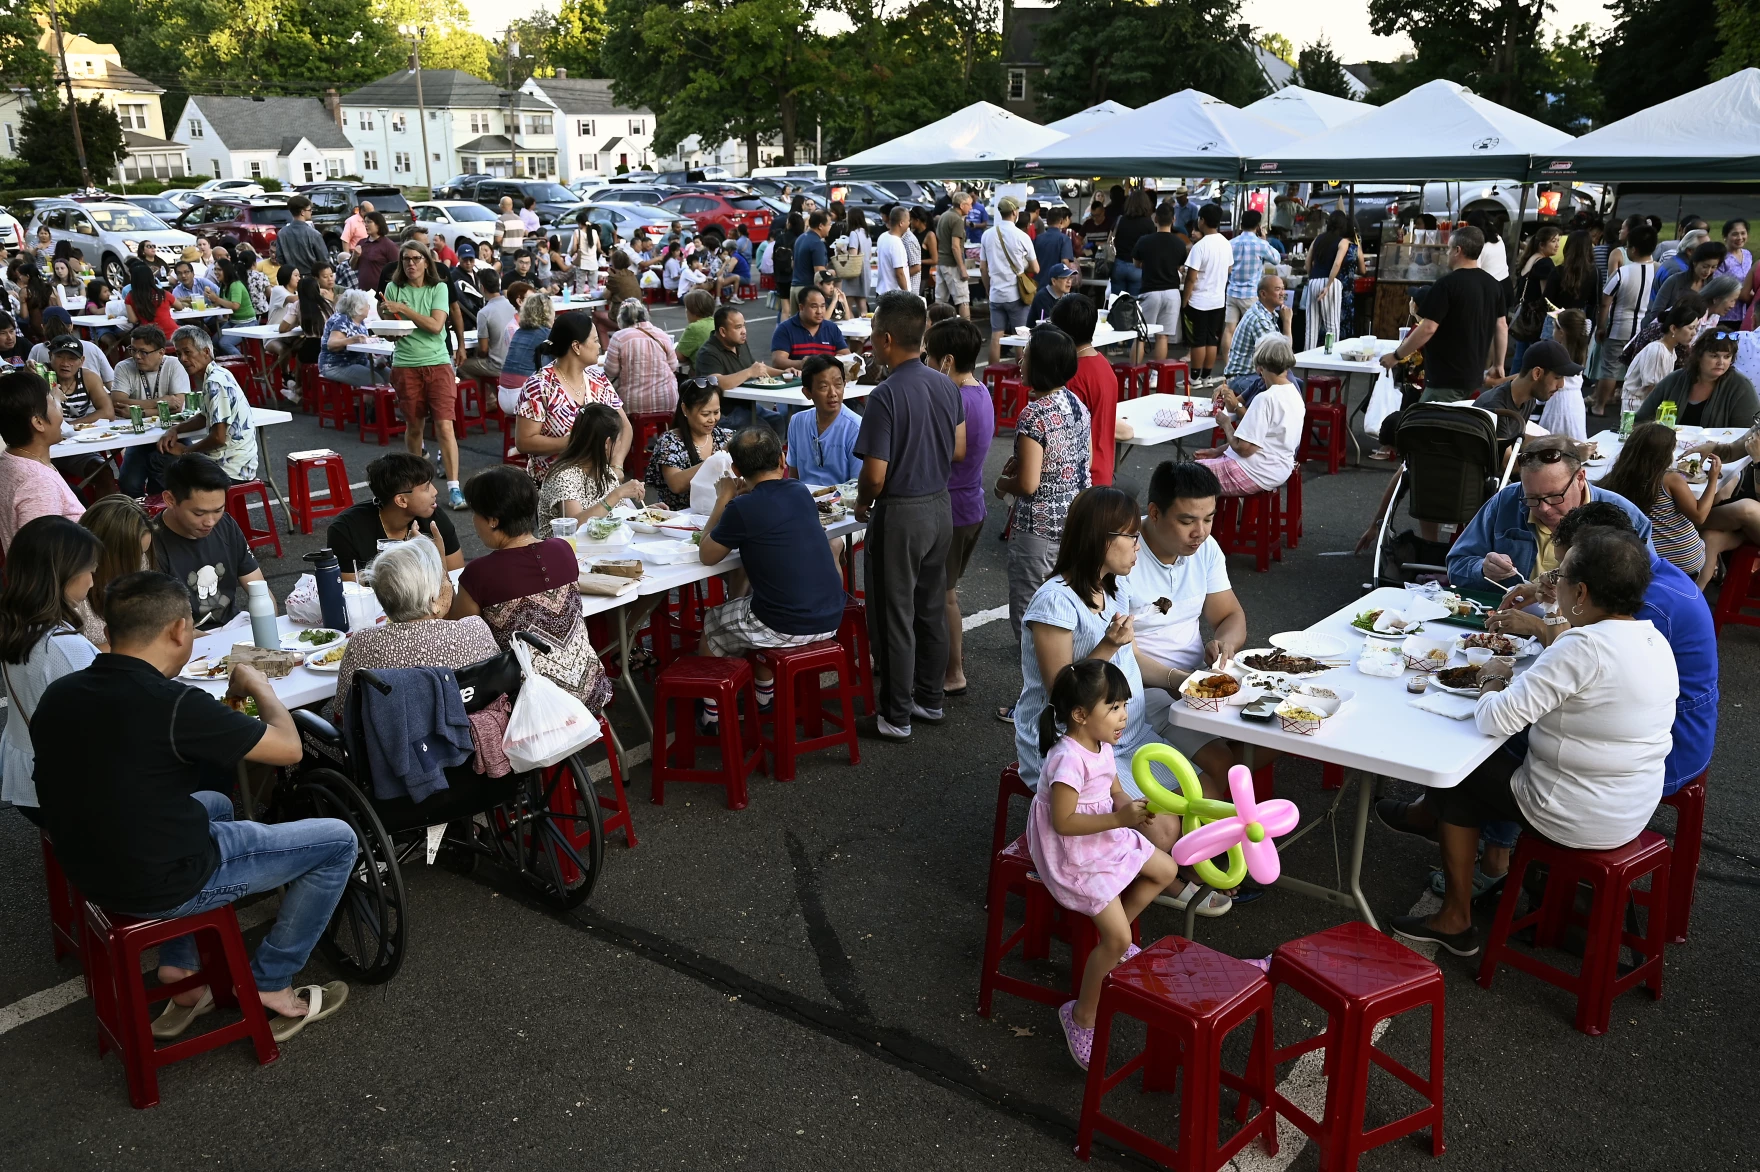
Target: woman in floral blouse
(694, 436)
(554, 396)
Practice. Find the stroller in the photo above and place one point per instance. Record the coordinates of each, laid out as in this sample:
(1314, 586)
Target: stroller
(543, 825)
(1450, 469)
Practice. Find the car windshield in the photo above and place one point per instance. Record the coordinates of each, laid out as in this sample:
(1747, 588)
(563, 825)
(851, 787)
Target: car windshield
(131, 219)
(550, 192)
(384, 201)
(470, 211)
(275, 215)
(746, 203)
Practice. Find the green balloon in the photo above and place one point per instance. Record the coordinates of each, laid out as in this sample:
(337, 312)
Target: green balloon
(1190, 805)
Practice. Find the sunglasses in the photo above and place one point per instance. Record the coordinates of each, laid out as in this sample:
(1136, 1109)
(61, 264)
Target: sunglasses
(1543, 456)
(1725, 336)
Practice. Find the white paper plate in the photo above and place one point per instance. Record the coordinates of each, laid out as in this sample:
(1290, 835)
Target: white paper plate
(291, 640)
(312, 659)
(1524, 647)
(197, 669)
(1310, 643)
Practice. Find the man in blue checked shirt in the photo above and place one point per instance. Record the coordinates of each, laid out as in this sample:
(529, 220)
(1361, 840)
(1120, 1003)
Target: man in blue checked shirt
(1252, 255)
(1267, 314)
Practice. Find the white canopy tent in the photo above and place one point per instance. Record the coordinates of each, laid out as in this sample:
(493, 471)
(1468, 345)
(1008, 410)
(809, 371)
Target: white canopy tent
(1711, 133)
(1441, 130)
(1307, 112)
(981, 141)
(1185, 134)
(1088, 119)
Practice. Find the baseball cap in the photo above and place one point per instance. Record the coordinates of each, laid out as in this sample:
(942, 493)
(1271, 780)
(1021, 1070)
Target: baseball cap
(66, 344)
(1550, 357)
(1008, 205)
(56, 320)
(1060, 271)
(824, 276)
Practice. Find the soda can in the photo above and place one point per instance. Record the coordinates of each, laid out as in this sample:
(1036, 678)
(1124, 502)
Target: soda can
(137, 419)
(1330, 339)
(164, 413)
(1627, 421)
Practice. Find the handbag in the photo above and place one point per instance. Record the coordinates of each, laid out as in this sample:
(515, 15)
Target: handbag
(547, 723)
(846, 260)
(1530, 319)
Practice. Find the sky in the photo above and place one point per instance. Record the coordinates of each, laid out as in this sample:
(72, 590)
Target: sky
(1302, 21)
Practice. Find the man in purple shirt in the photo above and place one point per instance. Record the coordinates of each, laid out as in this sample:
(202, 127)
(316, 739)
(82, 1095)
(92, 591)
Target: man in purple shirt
(952, 347)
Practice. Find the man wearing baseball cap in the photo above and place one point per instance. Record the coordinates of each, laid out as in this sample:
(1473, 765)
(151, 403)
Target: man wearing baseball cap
(1545, 366)
(1060, 279)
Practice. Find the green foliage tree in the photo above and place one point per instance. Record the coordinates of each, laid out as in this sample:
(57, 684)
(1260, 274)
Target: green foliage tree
(20, 62)
(1278, 46)
(45, 141)
(1738, 27)
(1320, 70)
(1575, 97)
(575, 39)
(1496, 48)
(1657, 50)
(1136, 51)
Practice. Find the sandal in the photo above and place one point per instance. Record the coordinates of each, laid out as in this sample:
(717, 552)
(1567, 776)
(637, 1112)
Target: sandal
(1006, 715)
(177, 1018)
(1215, 903)
(324, 1001)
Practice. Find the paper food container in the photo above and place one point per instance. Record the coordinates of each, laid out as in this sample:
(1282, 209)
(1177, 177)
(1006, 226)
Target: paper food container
(1246, 694)
(1426, 654)
(388, 328)
(1306, 714)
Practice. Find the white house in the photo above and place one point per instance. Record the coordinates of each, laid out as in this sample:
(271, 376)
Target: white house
(472, 127)
(294, 140)
(591, 133)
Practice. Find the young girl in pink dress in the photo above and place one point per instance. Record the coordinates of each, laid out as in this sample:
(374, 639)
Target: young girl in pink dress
(1082, 829)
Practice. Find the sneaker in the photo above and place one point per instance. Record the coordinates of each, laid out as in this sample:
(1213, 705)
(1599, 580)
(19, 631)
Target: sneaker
(455, 500)
(879, 727)
(1392, 814)
(1081, 1041)
(290, 391)
(932, 715)
(1414, 928)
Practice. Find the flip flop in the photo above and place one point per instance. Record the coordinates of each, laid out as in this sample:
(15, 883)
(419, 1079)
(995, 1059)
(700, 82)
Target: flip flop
(324, 1001)
(177, 1018)
(956, 691)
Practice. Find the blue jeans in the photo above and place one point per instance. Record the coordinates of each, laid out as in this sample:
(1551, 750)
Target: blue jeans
(137, 468)
(312, 857)
(1127, 277)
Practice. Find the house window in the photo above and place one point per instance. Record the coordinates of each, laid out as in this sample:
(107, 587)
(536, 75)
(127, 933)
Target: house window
(1017, 85)
(479, 124)
(538, 124)
(400, 161)
(366, 120)
(583, 165)
(370, 160)
(584, 127)
(11, 140)
(399, 123)
(311, 172)
(195, 128)
(469, 165)
(635, 127)
(132, 115)
(333, 168)
(256, 170)
(215, 165)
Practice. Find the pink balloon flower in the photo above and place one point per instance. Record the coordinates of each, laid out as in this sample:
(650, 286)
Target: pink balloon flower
(1252, 828)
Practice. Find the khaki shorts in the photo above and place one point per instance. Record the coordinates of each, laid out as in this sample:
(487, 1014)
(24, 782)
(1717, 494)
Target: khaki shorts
(951, 287)
(1237, 308)
(426, 390)
(959, 554)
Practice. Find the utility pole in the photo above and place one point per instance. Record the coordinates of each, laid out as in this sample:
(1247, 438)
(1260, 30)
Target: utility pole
(511, 41)
(416, 33)
(79, 146)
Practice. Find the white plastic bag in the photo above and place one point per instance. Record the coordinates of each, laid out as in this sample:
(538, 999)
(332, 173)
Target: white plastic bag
(547, 723)
(1383, 401)
(302, 604)
(704, 480)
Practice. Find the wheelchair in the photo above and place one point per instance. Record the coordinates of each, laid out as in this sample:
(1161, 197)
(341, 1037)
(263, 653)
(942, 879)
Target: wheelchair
(543, 825)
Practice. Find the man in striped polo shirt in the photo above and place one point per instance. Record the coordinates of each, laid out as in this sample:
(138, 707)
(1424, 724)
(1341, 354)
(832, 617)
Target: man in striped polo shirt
(807, 333)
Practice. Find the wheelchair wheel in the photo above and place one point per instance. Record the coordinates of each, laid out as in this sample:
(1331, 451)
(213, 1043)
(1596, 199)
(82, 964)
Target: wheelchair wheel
(552, 834)
(367, 936)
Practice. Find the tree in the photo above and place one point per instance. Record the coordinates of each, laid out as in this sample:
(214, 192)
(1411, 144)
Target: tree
(1574, 99)
(576, 39)
(1136, 51)
(45, 141)
(1658, 49)
(1496, 48)
(1320, 70)
(1738, 27)
(1278, 46)
(21, 64)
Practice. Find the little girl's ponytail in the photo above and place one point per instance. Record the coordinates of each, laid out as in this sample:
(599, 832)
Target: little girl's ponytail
(1085, 684)
(1048, 733)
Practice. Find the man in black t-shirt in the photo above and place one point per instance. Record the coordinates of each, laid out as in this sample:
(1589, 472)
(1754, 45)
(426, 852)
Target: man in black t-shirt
(1161, 254)
(405, 504)
(1463, 329)
(199, 544)
(138, 817)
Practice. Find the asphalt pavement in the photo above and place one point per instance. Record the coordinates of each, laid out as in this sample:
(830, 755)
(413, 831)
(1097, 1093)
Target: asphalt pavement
(793, 985)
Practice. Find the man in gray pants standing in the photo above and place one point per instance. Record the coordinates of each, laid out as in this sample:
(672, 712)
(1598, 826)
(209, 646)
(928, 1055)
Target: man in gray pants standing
(913, 429)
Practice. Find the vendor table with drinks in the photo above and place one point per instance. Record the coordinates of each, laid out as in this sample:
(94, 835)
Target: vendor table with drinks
(1375, 733)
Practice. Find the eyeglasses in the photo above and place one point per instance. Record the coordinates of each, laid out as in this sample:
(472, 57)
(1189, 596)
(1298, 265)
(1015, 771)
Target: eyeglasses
(1135, 538)
(144, 351)
(1551, 498)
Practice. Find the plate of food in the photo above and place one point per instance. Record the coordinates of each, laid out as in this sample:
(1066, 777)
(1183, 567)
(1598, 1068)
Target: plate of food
(1273, 661)
(311, 638)
(327, 658)
(93, 437)
(650, 519)
(1209, 691)
(204, 667)
(772, 382)
(1383, 623)
(1461, 681)
(1512, 645)
(1309, 643)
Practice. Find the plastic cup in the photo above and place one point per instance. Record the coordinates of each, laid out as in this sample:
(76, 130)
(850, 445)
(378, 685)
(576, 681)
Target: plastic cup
(1478, 656)
(564, 527)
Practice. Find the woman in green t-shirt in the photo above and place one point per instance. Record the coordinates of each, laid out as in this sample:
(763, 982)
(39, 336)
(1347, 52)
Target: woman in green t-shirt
(421, 365)
(235, 294)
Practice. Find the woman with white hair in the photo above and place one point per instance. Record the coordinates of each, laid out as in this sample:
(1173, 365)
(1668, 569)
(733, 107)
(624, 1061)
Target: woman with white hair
(641, 362)
(1259, 454)
(410, 581)
(525, 355)
(343, 329)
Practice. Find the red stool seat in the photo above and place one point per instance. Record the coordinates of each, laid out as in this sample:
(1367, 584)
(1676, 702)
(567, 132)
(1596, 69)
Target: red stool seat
(300, 502)
(800, 700)
(1166, 370)
(472, 410)
(65, 903)
(238, 504)
(1323, 435)
(725, 681)
(1324, 388)
(853, 634)
(1737, 601)
(1256, 524)
(255, 389)
(381, 403)
(615, 809)
(1008, 398)
(1190, 998)
(1133, 380)
(1008, 786)
(112, 951)
(1611, 874)
(1683, 872)
(336, 402)
(647, 427)
(1360, 977)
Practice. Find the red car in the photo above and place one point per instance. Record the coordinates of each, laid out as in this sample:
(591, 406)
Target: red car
(719, 215)
(255, 221)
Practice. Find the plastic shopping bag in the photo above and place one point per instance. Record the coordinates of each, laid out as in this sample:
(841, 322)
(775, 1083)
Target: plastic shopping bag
(302, 603)
(547, 723)
(1384, 400)
(704, 480)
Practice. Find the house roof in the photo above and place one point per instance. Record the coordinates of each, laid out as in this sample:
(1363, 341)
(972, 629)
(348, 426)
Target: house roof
(584, 95)
(134, 140)
(441, 89)
(266, 124)
(117, 78)
(610, 144)
(487, 144)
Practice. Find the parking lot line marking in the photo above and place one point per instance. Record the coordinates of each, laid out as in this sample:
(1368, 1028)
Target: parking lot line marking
(972, 622)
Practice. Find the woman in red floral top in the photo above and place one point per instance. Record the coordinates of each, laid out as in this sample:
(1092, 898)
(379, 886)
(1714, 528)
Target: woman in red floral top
(554, 396)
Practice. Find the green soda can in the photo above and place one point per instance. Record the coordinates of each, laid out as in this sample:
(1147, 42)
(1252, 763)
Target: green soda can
(164, 413)
(1330, 339)
(1629, 420)
(137, 419)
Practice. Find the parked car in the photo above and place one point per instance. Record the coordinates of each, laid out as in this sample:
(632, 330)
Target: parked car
(108, 234)
(453, 218)
(910, 191)
(256, 221)
(867, 196)
(11, 232)
(334, 203)
(587, 182)
(626, 193)
(157, 204)
(626, 219)
(459, 186)
(718, 216)
(553, 198)
(25, 210)
(231, 187)
(185, 198)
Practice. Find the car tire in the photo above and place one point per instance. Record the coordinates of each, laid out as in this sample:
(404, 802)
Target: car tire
(115, 275)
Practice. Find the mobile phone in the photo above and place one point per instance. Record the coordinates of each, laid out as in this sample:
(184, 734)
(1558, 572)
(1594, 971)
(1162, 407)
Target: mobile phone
(1262, 709)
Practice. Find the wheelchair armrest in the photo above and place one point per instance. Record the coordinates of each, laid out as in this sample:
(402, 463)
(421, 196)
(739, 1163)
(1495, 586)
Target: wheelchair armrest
(310, 722)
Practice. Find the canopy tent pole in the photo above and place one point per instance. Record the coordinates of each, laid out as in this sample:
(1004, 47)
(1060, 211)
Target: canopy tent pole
(1512, 245)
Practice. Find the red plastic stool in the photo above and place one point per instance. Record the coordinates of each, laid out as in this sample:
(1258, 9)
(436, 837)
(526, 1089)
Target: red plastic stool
(698, 677)
(1683, 873)
(1190, 998)
(113, 945)
(616, 812)
(1737, 601)
(239, 367)
(1610, 874)
(853, 634)
(1163, 370)
(65, 903)
(1133, 380)
(1324, 388)
(1008, 398)
(472, 411)
(300, 504)
(1012, 872)
(238, 503)
(1360, 977)
(647, 426)
(1008, 786)
(996, 372)
(800, 700)
(386, 423)
(1251, 525)
(1323, 435)
(336, 403)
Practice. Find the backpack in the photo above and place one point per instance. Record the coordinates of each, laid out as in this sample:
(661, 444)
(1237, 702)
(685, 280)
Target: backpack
(1125, 313)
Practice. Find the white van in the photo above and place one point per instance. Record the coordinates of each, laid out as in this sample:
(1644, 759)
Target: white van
(795, 171)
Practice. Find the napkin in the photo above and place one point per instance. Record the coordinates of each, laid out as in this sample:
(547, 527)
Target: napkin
(1446, 704)
(608, 585)
(1421, 609)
